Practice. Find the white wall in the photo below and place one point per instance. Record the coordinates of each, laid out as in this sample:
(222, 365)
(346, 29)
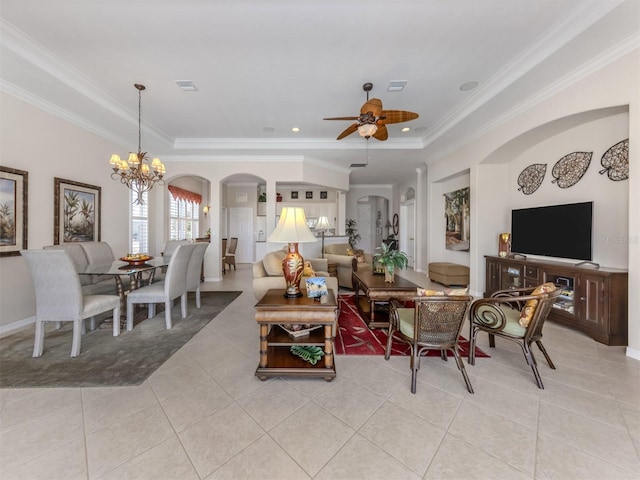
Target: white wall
(613, 85)
(47, 147)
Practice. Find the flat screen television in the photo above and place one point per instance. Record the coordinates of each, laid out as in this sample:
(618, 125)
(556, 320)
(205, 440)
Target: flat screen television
(563, 231)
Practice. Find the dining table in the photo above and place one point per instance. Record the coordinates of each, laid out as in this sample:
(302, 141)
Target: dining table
(134, 271)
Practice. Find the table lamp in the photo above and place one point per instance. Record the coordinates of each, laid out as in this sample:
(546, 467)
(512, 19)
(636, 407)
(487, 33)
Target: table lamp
(322, 226)
(292, 229)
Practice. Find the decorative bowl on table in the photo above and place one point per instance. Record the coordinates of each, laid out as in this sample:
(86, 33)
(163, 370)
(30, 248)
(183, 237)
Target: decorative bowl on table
(136, 259)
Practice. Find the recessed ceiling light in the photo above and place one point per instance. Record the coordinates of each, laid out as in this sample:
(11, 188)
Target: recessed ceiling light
(186, 85)
(406, 129)
(468, 86)
(295, 129)
(396, 85)
(268, 129)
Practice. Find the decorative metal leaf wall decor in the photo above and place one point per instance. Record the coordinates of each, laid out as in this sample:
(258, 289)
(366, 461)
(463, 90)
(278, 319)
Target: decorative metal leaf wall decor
(569, 169)
(616, 161)
(531, 178)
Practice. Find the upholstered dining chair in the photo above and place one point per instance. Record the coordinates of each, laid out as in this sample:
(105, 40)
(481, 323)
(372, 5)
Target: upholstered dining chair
(230, 256)
(59, 297)
(433, 323)
(194, 270)
(169, 249)
(517, 315)
(173, 286)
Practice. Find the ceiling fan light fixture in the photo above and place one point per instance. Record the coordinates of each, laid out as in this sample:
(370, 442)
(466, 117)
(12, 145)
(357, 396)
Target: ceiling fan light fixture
(367, 129)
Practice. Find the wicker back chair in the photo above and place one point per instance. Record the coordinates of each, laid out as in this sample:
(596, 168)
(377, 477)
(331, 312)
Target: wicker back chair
(434, 323)
(500, 314)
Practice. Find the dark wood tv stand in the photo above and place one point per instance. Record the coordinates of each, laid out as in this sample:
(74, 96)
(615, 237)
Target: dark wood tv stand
(594, 300)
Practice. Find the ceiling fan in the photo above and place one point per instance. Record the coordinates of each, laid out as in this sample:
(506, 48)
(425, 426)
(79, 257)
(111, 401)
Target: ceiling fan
(373, 120)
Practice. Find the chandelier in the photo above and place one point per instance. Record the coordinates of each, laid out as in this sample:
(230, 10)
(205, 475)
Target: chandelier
(136, 172)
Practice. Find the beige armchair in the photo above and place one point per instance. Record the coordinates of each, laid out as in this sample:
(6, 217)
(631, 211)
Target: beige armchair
(267, 274)
(338, 253)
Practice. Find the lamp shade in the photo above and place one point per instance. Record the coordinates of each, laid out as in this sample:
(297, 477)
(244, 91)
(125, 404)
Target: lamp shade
(292, 227)
(323, 223)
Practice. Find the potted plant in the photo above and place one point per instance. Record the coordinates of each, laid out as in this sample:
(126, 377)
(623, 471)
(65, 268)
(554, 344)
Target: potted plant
(390, 259)
(351, 232)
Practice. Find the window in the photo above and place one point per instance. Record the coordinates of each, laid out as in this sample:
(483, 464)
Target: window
(139, 241)
(183, 217)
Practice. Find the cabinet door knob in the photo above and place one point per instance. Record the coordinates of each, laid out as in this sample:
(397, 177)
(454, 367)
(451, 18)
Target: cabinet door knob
(583, 298)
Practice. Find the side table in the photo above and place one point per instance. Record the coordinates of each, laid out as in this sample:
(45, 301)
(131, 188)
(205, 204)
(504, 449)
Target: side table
(276, 359)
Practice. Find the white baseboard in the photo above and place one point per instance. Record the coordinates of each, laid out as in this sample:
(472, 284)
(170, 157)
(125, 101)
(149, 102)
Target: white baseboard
(633, 353)
(17, 325)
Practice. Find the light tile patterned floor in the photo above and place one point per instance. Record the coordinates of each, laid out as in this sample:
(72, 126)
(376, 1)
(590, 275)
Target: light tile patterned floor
(204, 415)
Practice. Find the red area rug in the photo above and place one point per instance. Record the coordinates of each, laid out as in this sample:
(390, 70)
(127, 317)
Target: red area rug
(354, 337)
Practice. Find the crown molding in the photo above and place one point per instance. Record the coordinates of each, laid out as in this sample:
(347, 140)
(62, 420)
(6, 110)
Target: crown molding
(597, 63)
(182, 143)
(556, 37)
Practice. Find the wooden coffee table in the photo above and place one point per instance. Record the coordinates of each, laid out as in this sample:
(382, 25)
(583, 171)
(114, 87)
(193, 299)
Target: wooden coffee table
(276, 359)
(373, 306)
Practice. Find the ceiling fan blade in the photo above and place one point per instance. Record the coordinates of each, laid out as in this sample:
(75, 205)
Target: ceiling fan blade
(342, 118)
(396, 116)
(382, 133)
(349, 130)
(374, 106)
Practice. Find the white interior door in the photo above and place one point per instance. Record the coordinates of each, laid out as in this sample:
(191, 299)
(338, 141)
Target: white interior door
(363, 224)
(241, 226)
(407, 231)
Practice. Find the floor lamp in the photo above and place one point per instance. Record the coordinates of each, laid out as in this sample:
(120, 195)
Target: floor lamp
(322, 226)
(292, 229)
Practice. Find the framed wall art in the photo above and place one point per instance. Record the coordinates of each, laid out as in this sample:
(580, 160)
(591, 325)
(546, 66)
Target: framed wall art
(308, 195)
(323, 195)
(456, 214)
(294, 195)
(76, 212)
(14, 189)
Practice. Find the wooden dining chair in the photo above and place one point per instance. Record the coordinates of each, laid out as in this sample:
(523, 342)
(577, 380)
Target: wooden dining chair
(230, 256)
(224, 252)
(59, 297)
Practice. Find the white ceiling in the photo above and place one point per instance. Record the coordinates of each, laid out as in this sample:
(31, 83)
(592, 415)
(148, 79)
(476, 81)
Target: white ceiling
(280, 64)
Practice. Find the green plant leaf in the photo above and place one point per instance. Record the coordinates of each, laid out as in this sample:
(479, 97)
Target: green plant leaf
(309, 353)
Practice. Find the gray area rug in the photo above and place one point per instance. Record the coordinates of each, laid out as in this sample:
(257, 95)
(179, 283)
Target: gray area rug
(105, 360)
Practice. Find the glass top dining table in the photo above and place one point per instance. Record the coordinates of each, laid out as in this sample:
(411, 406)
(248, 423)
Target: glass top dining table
(119, 268)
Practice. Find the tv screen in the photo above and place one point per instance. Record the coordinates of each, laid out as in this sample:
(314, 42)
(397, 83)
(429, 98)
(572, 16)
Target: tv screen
(562, 231)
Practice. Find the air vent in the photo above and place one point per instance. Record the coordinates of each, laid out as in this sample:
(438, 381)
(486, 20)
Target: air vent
(358, 165)
(396, 86)
(186, 85)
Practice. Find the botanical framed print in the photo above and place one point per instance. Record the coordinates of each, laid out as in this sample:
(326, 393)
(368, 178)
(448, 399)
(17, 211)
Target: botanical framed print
(76, 214)
(14, 189)
(308, 195)
(323, 195)
(294, 195)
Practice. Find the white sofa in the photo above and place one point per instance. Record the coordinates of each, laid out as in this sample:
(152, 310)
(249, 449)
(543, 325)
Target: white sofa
(267, 274)
(338, 253)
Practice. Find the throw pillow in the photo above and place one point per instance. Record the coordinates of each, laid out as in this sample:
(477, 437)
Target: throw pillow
(350, 252)
(450, 292)
(423, 292)
(272, 262)
(530, 307)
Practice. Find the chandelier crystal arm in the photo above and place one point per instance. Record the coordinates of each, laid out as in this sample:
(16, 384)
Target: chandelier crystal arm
(137, 173)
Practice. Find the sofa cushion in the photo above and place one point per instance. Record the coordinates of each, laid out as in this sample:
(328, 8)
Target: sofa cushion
(272, 262)
(337, 248)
